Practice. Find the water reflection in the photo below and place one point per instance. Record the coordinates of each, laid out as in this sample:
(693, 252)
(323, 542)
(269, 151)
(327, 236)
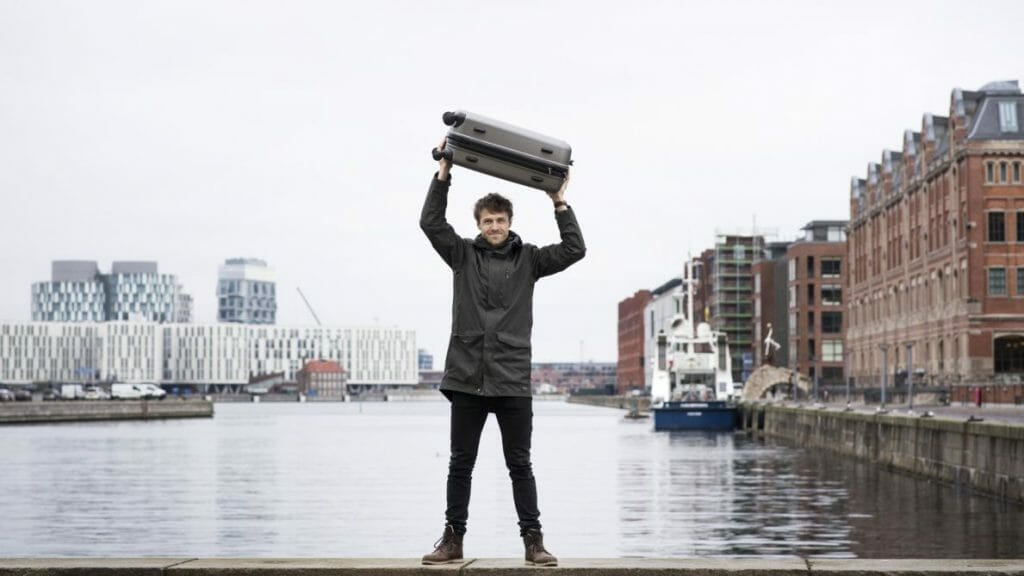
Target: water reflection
(343, 480)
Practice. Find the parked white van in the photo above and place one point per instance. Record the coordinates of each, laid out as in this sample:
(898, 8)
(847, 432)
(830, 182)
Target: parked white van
(137, 391)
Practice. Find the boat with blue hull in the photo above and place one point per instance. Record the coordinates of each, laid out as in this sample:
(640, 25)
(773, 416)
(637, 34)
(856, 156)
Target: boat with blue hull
(692, 387)
(713, 416)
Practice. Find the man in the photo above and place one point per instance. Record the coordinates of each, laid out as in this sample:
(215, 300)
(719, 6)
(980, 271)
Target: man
(487, 368)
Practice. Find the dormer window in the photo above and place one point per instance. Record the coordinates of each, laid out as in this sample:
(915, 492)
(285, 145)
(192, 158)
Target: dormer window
(1008, 116)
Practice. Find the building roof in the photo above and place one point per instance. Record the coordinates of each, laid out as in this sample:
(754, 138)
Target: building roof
(825, 224)
(667, 286)
(322, 367)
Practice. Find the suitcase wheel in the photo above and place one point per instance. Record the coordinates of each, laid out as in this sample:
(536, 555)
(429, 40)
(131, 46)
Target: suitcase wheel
(453, 118)
(438, 154)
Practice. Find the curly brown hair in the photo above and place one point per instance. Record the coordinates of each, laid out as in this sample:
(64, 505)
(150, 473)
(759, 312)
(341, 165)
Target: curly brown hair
(494, 203)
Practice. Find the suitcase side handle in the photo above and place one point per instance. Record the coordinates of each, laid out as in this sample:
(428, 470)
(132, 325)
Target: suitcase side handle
(453, 118)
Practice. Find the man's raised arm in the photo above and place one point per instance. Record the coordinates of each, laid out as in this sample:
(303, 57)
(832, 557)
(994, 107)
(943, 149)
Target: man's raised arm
(432, 220)
(571, 249)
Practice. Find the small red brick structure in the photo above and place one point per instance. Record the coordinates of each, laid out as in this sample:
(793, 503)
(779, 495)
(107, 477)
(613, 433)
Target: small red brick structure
(322, 378)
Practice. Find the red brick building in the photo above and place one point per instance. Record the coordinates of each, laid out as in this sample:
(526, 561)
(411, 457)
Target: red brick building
(321, 378)
(936, 248)
(630, 370)
(816, 310)
(771, 293)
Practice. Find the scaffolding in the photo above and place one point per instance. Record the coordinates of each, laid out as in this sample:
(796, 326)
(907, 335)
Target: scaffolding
(732, 294)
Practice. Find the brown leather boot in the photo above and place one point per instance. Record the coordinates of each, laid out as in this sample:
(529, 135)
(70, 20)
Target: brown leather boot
(536, 555)
(447, 549)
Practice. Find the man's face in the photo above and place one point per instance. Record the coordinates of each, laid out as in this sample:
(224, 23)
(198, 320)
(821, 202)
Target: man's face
(494, 226)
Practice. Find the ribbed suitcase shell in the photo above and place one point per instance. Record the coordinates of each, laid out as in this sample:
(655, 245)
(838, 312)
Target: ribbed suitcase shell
(505, 151)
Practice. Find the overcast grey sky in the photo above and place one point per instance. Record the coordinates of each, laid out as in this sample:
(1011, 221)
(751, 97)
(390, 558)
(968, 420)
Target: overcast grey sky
(299, 132)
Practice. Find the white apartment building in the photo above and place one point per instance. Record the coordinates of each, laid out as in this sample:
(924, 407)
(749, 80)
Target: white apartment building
(202, 355)
(657, 315)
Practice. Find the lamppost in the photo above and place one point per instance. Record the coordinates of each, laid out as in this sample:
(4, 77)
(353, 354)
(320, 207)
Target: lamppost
(910, 377)
(848, 354)
(885, 373)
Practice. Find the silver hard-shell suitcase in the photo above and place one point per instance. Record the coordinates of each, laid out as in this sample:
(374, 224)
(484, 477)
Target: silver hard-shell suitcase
(499, 149)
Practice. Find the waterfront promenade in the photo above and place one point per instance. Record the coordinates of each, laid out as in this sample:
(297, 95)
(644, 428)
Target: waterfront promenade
(502, 567)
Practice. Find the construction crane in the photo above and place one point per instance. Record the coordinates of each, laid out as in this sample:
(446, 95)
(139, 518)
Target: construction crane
(311, 311)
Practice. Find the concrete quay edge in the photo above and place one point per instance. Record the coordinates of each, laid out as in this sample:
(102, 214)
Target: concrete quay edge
(504, 567)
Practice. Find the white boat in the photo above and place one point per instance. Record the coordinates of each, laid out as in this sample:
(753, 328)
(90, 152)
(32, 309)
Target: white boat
(692, 387)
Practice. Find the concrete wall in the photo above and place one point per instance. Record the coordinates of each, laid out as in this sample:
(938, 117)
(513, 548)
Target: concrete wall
(985, 456)
(85, 410)
(642, 403)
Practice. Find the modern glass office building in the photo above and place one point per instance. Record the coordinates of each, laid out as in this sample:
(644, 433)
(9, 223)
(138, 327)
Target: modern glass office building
(246, 292)
(135, 291)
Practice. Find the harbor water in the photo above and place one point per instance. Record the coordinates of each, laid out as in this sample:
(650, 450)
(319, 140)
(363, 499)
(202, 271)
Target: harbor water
(368, 480)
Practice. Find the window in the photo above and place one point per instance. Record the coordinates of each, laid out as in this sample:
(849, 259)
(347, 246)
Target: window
(832, 350)
(810, 266)
(1016, 172)
(997, 281)
(996, 227)
(792, 296)
(1020, 226)
(792, 269)
(831, 322)
(757, 283)
(810, 323)
(1020, 281)
(792, 324)
(1002, 173)
(812, 355)
(831, 295)
(831, 267)
(810, 294)
(1008, 116)
(831, 375)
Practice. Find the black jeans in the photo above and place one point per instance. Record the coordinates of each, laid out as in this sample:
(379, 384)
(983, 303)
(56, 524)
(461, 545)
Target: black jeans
(515, 419)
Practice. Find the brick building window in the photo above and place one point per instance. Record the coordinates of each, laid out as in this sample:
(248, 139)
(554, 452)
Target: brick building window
(831, 375)
(1009, 354)
(1016, 172)
(1020, 281)
(831, 295)
(831, 267)
(832, 350)
(1020, 226)
(1003, 174)
(997, 281)
(810, 294)
(810, 266)
(831, 322)
(990, 173)
(996, 227)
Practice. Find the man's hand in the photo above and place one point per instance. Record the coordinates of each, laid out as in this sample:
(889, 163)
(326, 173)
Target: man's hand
(559, 196)
(444, 165)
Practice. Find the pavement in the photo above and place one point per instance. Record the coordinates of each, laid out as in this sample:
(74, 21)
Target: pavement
(504, 567)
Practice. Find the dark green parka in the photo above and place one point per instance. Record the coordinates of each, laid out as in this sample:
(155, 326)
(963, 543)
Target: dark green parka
(492, 302)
